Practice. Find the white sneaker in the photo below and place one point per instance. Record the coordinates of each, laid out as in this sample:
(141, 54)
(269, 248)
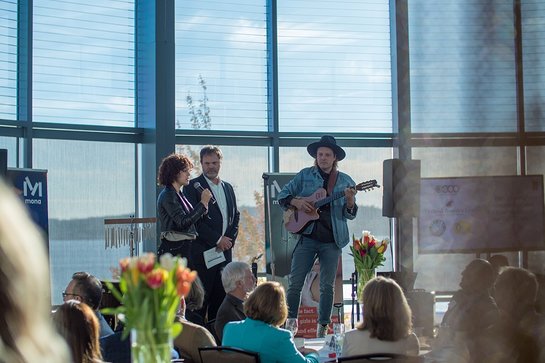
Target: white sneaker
(321, 330)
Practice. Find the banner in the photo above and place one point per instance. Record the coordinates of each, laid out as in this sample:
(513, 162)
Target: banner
(31, 185)
(279, 243)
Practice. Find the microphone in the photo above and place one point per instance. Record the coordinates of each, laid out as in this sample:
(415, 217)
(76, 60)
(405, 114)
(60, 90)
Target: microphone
(199, 187)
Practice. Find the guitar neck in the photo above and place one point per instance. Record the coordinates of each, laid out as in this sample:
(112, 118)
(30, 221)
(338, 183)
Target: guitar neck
(329, 199)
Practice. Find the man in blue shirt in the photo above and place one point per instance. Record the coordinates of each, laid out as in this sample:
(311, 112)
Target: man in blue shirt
(86, 288)
(324, 237)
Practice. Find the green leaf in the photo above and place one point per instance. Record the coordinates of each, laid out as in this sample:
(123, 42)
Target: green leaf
(176, 329)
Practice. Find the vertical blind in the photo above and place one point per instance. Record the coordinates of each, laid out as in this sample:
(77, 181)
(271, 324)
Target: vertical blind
(224, 44)
(533, 45)
(334, 67)
(462, 65)
(8, 59)
(83, 62)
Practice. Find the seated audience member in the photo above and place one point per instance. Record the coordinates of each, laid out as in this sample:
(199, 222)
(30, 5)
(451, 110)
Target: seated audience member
(193, 336)
(86, 288)
(498, 262)
(27, 333)
(238, 281)
(471, 310)
(266, 309)
(519, 332)
(387, 322)
(78, 324)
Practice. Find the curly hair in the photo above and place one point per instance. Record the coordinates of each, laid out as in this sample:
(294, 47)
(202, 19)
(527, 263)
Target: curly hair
(171, 166)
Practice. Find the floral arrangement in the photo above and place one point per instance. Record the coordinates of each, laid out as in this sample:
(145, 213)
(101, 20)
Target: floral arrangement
(368, 253)
(150, 292)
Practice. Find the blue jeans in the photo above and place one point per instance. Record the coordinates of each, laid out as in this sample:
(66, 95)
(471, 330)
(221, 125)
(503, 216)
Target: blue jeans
(305, 253)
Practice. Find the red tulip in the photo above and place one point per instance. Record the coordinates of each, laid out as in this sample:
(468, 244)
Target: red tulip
(146, 263)
(156, 278)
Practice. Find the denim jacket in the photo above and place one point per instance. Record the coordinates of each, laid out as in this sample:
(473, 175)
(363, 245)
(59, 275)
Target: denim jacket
(305, 183)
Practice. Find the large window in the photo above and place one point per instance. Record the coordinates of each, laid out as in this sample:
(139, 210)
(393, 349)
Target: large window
(87, 182)
(462, 63)
(83, 62)
(221, 65)
(334, 66)
(10, 144)
(8, 59)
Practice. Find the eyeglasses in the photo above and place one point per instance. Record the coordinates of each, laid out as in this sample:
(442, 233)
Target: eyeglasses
(65, 294)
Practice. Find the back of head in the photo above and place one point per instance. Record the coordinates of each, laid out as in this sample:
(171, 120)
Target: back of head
(478, 276)
(516, 291)
(78, 324)
(267, 303)
(195, 298)
(498, 262)
(233, 272)
(89, 288)
(26, 333)
(387, 314)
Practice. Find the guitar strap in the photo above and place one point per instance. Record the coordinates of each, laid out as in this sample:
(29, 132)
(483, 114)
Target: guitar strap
(332, 180)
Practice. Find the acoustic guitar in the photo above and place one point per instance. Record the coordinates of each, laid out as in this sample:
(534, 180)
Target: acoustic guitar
(295, 220)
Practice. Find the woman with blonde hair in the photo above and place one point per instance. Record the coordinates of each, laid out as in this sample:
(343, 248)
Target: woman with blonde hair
(260, 332)
(78, 324)
(26, 330)
(386, 326)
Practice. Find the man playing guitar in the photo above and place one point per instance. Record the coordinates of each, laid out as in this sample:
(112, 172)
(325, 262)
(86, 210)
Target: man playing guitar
(324, 237)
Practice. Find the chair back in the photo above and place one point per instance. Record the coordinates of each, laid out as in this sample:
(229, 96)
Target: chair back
(227, 355)
(382, 357)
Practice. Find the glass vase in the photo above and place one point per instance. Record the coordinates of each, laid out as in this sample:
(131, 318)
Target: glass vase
(364, 275)
(151, 346)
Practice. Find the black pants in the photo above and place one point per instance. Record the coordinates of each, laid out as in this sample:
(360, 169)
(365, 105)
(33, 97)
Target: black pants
(177, 248)
(213, 287)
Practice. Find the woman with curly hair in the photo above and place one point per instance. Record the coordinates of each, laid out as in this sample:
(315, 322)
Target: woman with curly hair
(176, 215)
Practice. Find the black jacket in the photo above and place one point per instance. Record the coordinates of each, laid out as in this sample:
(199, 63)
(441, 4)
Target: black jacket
(209, 228)
(171, 214)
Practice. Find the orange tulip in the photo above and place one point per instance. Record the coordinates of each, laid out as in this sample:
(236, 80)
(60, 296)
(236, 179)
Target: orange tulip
(124, 264)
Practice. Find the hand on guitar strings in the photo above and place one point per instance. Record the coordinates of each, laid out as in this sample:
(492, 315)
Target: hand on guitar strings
(302, 205)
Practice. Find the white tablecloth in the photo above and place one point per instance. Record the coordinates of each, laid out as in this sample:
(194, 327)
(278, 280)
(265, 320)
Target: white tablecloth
(323, 350)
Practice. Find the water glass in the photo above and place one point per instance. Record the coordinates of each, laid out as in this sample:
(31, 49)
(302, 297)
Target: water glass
(291, 325)
(338, 333)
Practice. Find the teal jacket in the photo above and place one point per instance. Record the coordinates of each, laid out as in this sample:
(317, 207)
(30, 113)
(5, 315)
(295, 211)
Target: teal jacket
(305, 183)
(274, 345)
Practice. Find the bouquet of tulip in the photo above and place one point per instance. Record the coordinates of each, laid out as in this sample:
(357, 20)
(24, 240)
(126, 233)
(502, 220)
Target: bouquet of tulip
(367, 251)
(368, 254)
(150, 293)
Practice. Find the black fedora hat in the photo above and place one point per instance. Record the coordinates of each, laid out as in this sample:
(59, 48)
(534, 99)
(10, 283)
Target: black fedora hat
(326, 141)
